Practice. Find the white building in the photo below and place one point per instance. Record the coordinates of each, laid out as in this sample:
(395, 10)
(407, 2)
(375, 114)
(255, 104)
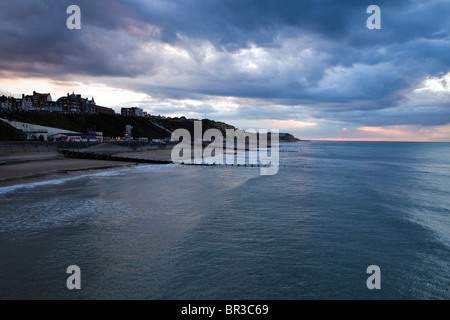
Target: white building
(36, 132)
(132, 112)
(24, 104)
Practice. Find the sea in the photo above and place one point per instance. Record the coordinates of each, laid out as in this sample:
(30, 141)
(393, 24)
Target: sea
(170, 232)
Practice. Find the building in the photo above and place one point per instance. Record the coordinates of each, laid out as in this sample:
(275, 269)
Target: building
(39, 100)
(24, 104)
(6, 103)
(132, 112)
(53, 107)
(74, 103)
(88, 106)
(30, 131)
(86, 137)
(104, 110)
(128, 129)
(70, 104)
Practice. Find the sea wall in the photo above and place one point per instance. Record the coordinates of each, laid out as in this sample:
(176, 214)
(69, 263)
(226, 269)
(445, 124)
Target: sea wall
(24, 150)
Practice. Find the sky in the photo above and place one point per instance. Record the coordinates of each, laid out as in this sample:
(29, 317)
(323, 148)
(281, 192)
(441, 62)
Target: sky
(311, 68)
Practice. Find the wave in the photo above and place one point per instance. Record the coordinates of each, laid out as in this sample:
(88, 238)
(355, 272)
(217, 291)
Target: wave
(105, 173)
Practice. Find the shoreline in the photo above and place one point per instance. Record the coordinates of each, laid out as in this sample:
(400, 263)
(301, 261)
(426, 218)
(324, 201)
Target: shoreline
(31, 171)
(45, 166)
(42, 166)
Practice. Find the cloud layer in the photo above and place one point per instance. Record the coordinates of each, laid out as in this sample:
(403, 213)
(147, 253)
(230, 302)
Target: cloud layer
(291, 60)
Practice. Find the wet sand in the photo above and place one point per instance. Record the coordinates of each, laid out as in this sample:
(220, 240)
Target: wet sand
(156, 154)
(38, 170)
(37, 167)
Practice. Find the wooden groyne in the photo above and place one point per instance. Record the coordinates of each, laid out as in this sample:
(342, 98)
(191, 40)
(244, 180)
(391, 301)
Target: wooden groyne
(98, 156)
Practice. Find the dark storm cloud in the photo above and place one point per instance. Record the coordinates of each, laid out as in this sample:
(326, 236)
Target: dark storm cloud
(318, 54)
(35, 40)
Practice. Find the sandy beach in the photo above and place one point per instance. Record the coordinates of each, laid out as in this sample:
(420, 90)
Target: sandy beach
(37, 170)
(31, 167)
(27, 162)
(155, 154)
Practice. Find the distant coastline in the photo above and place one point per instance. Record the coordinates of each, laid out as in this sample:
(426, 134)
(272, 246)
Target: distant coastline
(111, 127)
(26, 155)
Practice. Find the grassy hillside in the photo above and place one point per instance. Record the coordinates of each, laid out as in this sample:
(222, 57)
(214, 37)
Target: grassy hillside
(110, 125)
(7, 132)
(113, 125)
(173, 124)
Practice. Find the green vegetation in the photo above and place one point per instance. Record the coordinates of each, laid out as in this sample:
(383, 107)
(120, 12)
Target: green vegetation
(7, 132)
(182, 123)
(114, 125)
(110, 125)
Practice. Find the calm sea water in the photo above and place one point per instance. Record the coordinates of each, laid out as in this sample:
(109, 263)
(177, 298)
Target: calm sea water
(185, 232)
